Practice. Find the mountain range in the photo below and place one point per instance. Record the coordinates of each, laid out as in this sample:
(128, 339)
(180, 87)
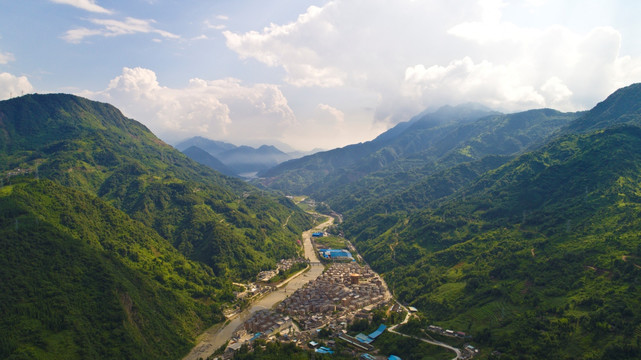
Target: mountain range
(230, 159)
(519, 229)
(116, 245)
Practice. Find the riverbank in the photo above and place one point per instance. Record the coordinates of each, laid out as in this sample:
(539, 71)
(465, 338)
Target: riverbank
(217, 335)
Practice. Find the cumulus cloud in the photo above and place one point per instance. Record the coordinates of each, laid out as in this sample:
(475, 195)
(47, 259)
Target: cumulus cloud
(11, 85)
(418, 54)
(112, 27)
(87, 5)
(552, 67)
(218, 109)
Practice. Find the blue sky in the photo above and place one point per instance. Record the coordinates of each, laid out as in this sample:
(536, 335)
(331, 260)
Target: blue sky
(316, 73)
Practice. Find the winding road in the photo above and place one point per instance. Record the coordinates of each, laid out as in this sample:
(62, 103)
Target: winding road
(392, 329)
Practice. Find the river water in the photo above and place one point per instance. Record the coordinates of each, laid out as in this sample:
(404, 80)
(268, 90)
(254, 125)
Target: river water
(216, 336)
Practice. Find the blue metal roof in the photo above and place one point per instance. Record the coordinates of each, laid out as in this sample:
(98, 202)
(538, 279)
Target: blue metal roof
(324, 350)
(378, 331)
(364, 338)
(335, 253)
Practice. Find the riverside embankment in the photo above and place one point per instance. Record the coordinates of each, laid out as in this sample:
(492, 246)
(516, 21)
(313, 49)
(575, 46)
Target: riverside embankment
(218, 335)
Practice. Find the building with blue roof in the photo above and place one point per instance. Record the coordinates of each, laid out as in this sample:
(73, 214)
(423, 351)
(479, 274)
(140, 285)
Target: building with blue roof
(378, 332)
(324, 350)
(393, 357)
(364, 338)
(336, 254)
(367, 339)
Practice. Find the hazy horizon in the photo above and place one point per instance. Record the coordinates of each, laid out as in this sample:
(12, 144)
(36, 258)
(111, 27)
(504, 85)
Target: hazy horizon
(316, 74)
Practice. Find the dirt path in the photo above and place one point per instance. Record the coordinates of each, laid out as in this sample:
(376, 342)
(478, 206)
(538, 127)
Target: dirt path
(392, 329)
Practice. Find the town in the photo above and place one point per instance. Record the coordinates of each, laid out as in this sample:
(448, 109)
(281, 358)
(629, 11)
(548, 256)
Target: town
(345, 292)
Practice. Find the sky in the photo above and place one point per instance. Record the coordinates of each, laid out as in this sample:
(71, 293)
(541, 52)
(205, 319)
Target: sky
(305, 74)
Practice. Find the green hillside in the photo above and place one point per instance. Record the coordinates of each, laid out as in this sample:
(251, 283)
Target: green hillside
(539, 258)
(621, 107)
(411, 154)
(114, 244)
(82, 280)
(236, 229)
(315, 173)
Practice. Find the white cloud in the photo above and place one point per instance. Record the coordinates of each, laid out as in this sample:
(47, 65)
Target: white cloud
(6, 58)
(112, 27)
(337, 114)
(551, 67)
(209, 25)
(301, 59)
(417, 54)
(11, 85)
(87, 5)
(218, 109)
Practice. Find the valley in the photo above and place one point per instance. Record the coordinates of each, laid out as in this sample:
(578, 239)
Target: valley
(517, 230)
(294, 312)
(216, 337)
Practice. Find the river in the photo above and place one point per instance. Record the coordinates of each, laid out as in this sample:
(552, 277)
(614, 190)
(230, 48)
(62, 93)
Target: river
(216, 336)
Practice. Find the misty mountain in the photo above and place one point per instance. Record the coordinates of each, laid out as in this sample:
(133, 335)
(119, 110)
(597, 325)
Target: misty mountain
(408, 153)
(352, 162)
(203, 157)
(213, 147)
(237, 159)
(92, 147)
(246, 159)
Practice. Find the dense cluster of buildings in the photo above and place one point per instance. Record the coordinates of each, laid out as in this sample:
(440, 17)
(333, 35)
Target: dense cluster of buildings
(266, 322)
(341, 288)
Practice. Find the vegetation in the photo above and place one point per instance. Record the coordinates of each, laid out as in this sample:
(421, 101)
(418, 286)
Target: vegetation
(82, 280)
(280, 351)
(284, 275)
(536, 258)
(115, 245)
(356, 175)
(330, 242)
(236, 229)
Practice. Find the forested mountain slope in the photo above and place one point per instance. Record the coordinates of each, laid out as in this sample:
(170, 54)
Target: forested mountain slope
(311, 174)
(90, 146)
(82, 280)
(443, 148)
(539, 258)
(98, 222)
(621, 107)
